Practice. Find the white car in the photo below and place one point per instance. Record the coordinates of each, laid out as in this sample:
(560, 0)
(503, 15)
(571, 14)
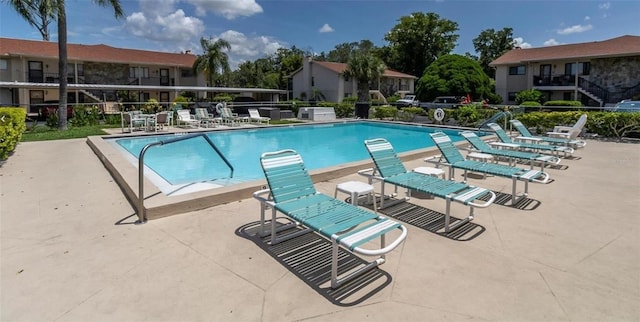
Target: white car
(408, 100)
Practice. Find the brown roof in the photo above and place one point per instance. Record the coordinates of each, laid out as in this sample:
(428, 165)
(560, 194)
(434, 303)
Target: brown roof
(96, 53)
(341, 68)
(616, 47)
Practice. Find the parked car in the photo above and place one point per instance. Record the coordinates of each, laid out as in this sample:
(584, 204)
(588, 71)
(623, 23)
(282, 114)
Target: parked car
(51, 107)
(627, 106)
(407, 101)
(444, 102)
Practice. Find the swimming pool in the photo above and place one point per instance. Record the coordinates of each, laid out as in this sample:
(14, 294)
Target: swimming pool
(321, 146)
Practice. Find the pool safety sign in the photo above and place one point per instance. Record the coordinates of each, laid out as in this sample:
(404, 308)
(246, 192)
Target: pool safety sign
(438, 114)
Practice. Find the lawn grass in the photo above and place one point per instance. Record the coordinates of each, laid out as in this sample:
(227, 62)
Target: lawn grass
(43, 133)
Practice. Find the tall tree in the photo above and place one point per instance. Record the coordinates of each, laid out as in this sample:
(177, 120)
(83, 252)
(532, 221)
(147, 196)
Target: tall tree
(418, 40)
(454, 75)
(38, 13)
(342, 52)
(491, 44)
(365, 67)
(214, 60)
(62, 52)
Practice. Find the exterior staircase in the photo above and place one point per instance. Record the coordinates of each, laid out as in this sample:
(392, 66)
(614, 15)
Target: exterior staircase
(603, 96)
(90, 95)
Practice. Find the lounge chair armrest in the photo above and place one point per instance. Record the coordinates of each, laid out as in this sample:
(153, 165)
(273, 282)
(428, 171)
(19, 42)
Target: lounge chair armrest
(546, 179)
(370, 174)
(388, 248)
(485, 204)
(260, 196)
(562, 129)
(436, 159)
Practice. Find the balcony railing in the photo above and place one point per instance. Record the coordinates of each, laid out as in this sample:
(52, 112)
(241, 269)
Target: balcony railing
(556, 80)
(99, 79)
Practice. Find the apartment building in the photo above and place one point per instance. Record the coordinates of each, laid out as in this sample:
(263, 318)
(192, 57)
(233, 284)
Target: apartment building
(328, 78)
(596, 73)
(101, 74)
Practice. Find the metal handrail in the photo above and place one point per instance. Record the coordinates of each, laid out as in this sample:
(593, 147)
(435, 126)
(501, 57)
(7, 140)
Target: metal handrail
(142, 216)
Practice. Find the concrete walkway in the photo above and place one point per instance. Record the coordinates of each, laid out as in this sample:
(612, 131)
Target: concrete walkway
(69, 253)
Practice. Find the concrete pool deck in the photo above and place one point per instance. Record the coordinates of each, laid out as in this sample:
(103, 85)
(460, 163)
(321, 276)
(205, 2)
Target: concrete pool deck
(70, 253)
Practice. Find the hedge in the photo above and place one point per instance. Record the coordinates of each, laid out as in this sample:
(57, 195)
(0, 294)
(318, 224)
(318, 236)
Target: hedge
(606, 124)
(12, 125)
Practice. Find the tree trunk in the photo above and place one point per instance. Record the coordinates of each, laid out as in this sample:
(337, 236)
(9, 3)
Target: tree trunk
(363, 92)
(62, 65)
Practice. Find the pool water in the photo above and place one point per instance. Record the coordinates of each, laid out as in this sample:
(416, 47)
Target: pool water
(320, 146)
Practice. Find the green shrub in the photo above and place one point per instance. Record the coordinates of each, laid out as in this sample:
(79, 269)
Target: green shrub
(407, 114)
(530, 103)
(12, 126)
(562, 103)
(350, 100)
(532, 95)
(467, 115)
(223, 98)
(382, 112)
(84, 116)
(393, 98)
(344, 110)
(150, 106)
(112, 119)
(52, 121)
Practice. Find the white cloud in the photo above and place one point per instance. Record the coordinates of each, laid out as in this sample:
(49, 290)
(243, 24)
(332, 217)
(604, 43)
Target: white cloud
(551, 42)
(325, 28)
(245, 47)
(161, 22)
(175, 26)
(587, 18)
(229, 9)
(604, 6)
(519, 42)
(575, 29)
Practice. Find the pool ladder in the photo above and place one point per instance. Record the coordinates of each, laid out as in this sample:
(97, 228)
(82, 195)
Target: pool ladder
(141, 212)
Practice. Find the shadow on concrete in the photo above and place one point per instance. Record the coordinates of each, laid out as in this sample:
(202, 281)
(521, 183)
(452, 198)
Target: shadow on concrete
(309, 258)
(427, 219)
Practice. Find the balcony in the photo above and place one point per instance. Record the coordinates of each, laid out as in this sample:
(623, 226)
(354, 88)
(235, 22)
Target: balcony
(557, 80)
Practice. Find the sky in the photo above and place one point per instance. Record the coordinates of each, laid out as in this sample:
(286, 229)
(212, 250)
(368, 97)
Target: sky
(256, 28)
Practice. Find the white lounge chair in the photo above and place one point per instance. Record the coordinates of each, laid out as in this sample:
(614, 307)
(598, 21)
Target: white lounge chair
(184, 117)
(569, 132)
(254, 115)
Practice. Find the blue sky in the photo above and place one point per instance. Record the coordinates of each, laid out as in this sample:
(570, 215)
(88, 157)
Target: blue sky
(258, 27)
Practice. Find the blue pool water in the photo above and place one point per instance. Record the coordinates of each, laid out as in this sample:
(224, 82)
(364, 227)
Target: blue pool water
(320, 146)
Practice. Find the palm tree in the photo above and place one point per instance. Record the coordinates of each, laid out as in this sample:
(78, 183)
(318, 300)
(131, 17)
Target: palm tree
(365, 68)
(38, 13)
(213, 60)
(47, 9)
(62, 52)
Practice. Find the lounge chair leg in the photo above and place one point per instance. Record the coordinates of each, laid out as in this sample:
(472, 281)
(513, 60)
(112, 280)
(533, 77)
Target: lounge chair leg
(447, 219)
(334, 265)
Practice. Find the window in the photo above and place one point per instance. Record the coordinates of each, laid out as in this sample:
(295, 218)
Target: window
(511, 97)
(3, 64)
(186, 73)
(145, 72)
(71, 69)
(80, 69)
(133, 72)
(583, 68)
(517, 70)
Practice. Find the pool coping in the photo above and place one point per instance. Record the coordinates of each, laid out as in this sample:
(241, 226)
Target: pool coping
(158, 205)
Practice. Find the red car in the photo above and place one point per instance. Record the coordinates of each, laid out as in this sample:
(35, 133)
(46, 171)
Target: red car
(51, 107)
